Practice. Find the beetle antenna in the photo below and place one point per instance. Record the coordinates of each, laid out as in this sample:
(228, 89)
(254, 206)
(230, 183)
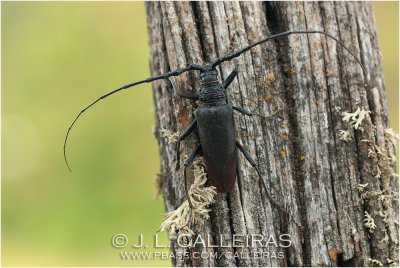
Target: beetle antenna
(247, 48)
(176, 72)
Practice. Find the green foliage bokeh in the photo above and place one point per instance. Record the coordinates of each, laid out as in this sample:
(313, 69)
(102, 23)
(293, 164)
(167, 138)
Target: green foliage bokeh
(56, 58)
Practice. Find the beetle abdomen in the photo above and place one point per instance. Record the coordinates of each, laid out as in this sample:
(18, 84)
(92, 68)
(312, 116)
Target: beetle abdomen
(216, 128)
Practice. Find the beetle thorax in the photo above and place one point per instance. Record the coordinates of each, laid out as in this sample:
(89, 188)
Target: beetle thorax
(211, 92)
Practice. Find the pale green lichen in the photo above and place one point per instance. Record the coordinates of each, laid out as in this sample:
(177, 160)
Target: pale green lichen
(201, 197)
(383, 160)
(370, 194)
(361, 187)
(378, 173)
(374, 261)
(355, 118)
(386, 197)
(171, 137)
(344, 135)
(385, 240)
(384, 215)
(369, 222)
(392, 263)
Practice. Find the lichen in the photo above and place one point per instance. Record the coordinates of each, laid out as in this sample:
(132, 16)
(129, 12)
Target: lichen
(383, 161)
(171, 137)
(392, 263)
(201, 197)
(369, 222)
(385, 240)
(355, 119)
(374, 261)
(384, 215)
(368, 195)
(361, 187)
(344, 135)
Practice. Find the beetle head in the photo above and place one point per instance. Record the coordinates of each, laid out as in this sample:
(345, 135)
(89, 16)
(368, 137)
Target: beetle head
(209, 75)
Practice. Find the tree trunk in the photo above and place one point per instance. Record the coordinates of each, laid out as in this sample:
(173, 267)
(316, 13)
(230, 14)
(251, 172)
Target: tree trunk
(329, 185)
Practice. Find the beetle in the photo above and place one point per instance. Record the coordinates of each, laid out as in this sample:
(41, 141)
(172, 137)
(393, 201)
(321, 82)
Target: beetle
(214, 119)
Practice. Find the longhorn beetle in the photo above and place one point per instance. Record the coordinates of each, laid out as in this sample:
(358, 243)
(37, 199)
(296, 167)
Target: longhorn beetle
(213, 119)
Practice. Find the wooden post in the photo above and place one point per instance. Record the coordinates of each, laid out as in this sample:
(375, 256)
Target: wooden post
(336, 180)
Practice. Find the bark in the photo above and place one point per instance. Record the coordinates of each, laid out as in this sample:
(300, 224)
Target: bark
(309, 169)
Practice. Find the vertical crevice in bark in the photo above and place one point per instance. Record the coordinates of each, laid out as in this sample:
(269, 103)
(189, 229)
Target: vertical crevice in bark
(302, 158)
(295, 146)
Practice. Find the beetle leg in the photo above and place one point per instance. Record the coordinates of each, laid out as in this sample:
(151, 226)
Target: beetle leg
(243, 111)
(254, 165)
(185, 95)
(181, 137)
(188, 161)
(248, 113)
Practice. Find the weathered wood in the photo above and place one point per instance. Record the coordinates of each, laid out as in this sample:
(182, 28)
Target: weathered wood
(307, 165)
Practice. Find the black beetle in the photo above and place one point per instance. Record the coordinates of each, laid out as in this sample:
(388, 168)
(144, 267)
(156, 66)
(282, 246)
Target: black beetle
(213, 118)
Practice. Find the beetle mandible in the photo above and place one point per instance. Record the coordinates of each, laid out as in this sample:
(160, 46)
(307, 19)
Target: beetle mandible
(213, 118)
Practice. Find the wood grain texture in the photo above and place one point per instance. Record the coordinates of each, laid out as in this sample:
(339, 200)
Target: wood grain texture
(307, 166)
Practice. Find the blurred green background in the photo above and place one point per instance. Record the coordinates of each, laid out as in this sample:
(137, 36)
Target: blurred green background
(56, 57)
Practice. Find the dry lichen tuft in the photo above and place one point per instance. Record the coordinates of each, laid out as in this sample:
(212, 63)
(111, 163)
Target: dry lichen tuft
(344, 135)
(171, 137)
(383, 159)
(354, 120)
(375, 262)
(369, 222)
(392, 263)
(201, 197)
